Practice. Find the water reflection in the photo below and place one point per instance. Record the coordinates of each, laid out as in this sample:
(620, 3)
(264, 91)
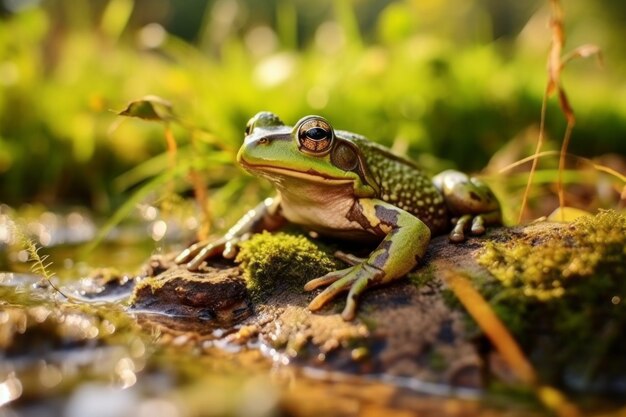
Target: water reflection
(10, 389)
(125, 371)
(177, 326)
(50, 375)
(158, 407)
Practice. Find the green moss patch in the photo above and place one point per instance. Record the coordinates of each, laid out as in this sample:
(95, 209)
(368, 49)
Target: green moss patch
(544, 268)
(272, 260)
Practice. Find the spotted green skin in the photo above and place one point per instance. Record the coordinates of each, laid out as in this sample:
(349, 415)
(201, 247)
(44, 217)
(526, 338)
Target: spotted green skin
(357, 190)
(401, 183)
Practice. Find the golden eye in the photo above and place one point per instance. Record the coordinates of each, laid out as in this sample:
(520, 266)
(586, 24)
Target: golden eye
(315, 135)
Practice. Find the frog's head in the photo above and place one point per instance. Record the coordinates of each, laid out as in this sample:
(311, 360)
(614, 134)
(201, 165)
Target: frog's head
(311, 151)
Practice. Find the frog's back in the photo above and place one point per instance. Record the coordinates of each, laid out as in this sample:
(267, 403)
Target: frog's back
(402, 183)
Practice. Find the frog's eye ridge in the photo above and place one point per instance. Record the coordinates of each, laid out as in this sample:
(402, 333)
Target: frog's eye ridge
(249, 127)
(315, 135)
(264, 119)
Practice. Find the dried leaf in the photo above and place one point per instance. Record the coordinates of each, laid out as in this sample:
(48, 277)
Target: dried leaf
(150, 108)
(583, 51)
(567, 214)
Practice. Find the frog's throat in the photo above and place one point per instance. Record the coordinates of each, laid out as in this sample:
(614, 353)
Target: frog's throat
(309, 175)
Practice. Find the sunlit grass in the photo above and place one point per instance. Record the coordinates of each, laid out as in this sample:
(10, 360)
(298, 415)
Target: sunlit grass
(423, 89)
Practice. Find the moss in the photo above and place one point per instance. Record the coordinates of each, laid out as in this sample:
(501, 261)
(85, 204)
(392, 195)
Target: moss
(437, 361)
(544, 269)
(152, 283)
(272, 260)
(562, 294)
(423, 276)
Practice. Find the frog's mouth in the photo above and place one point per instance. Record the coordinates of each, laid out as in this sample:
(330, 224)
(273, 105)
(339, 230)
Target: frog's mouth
(309, 175)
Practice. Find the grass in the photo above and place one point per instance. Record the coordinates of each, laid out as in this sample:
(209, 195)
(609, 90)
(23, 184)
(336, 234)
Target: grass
(417, 90)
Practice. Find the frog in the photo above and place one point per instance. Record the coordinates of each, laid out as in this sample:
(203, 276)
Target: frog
(340, 184)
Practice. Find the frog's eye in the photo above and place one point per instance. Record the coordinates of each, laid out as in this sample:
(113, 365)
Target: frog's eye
(315, 135)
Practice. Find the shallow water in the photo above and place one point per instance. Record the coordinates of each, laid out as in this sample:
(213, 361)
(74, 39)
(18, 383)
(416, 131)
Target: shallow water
(73, 359)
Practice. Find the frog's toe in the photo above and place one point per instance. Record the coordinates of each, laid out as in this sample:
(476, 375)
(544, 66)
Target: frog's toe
(357, 278)
(207, 252)
(478, 225)
(457, 235)
(475, 225)
(359, 285)
(349, 258)
(326, 279)
(189, 253)
(339, 286)
(196, 254)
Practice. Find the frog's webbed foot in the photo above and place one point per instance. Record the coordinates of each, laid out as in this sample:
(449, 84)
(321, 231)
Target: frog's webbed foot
(199, 252)
(355, 278)
(476, 224)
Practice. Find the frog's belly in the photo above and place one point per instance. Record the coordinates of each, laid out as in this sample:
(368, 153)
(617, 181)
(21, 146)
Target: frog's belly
(327, 217)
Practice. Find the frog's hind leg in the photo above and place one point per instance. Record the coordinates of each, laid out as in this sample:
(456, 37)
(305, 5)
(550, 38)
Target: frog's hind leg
(404, 245)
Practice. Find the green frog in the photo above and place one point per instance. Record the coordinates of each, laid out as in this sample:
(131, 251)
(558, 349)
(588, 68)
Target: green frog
(338, 183)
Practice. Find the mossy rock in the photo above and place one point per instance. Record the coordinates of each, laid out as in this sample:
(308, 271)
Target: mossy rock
(283, 261)
(561, 293)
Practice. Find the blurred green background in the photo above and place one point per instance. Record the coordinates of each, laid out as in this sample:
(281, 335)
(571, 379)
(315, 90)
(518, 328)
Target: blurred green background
(449, 82)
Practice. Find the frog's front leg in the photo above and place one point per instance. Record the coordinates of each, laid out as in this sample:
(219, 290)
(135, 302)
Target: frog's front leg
(405, 241)
(471, 203)
(265, 216)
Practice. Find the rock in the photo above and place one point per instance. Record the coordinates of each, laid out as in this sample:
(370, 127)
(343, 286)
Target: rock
(218, 295)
